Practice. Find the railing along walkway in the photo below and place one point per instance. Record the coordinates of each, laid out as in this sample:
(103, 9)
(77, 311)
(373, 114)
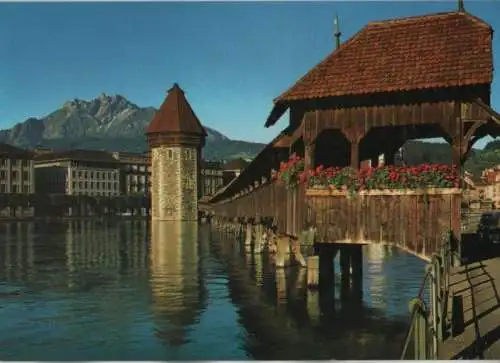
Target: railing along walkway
(462, 320)
(428, 324)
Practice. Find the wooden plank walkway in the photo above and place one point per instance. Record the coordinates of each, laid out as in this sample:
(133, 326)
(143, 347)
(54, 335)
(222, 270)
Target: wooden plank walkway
(479, 284)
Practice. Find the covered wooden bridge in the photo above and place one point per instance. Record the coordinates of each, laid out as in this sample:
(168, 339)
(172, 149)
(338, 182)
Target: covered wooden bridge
(418, 77)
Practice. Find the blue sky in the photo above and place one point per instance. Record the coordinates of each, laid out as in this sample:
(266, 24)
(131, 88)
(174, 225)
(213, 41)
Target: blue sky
(232, 59)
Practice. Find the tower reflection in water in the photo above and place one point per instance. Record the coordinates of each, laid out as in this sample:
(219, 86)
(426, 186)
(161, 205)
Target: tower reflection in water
(177, 289)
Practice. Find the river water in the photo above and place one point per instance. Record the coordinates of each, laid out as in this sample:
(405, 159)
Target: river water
(129, 290)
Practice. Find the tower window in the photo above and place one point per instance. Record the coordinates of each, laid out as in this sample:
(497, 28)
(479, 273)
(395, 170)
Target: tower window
(170, 154)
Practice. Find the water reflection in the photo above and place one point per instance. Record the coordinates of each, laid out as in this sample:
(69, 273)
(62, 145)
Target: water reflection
(288, 321)
(87, 290)
(178, 295)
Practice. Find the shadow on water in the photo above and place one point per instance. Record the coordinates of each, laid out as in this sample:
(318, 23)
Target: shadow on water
(132, 290)
(284, 320)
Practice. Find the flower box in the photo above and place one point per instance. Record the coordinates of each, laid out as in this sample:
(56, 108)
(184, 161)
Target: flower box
(387, 177)
(316, 192)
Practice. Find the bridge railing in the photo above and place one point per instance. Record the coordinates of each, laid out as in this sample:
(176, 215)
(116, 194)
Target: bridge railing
(428, 325)
(287, 206)
(413, 220)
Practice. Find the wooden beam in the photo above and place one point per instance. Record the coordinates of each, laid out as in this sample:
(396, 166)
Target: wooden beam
(354, 134)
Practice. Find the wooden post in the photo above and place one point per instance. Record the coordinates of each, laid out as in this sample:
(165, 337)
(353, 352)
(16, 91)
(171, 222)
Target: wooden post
(355, 154)
(356, 262)
(295, 248)
(248, 237)
(309, 155)
(259, 238)
(282, 251)
(313, 271)
(326, 268)
(440, 303)
(419, 330)
(313, 305)
(435, 308)
(281, 286)
(354, 134)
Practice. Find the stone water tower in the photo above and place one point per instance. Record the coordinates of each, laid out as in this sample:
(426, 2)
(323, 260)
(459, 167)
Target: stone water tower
(175, 137)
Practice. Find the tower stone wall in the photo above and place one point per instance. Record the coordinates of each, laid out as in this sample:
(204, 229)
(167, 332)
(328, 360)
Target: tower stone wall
(175, 137)
(174, 178)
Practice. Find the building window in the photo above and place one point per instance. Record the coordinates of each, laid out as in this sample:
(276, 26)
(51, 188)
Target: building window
(14, 175)
(3, 188)
(15, 188)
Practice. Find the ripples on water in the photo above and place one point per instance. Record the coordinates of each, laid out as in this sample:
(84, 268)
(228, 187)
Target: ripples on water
(84, 290)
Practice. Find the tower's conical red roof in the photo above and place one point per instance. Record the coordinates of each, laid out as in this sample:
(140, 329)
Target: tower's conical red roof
(176, 116)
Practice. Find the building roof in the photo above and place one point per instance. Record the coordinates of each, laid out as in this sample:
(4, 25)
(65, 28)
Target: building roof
(210, 164)
(176, 115)
(12, 151)
(236, 164)
(130, 157)
(422, 52)
(78, 155)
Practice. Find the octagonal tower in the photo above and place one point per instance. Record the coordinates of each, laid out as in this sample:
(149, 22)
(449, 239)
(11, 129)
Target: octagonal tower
(175, 137)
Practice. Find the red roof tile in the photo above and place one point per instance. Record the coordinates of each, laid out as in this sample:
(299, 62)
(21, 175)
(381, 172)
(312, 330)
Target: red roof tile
(175, 115)
(430, 51)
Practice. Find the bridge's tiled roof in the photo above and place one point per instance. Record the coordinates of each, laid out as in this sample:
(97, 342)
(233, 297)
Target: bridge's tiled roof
(422, 52)
(175, 115)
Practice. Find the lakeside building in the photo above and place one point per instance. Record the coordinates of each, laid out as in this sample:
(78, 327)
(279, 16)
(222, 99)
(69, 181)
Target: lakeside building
(95, 172)
(135, 172)
(212, 177)
(16, 176)
(77, 172)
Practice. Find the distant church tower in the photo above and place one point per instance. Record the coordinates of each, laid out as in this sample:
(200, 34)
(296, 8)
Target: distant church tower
(175, 137)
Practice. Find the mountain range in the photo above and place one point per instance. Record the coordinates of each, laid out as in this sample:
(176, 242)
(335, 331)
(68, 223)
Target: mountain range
(114, 123)
(110, 123)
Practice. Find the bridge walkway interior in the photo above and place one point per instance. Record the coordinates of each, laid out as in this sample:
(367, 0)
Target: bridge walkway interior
(478, 284)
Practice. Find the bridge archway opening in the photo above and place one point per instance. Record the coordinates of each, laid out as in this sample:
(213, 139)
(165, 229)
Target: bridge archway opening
(331, 148)
(298, 147)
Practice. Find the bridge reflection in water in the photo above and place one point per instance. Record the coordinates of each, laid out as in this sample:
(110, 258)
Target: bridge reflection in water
(86, 290)
(285, 320)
